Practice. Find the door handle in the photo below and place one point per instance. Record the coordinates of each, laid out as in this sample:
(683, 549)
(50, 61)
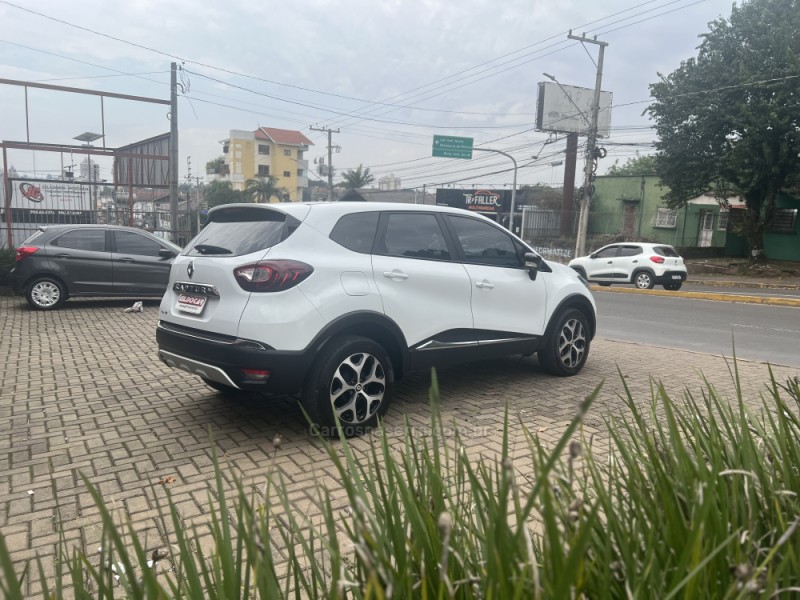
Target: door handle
(636, 261)
(609, 262)
(395, 275)
(63, 255)
(484, 285)
(125, 260)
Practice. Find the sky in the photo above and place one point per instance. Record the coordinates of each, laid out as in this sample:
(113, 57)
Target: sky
(387, 74)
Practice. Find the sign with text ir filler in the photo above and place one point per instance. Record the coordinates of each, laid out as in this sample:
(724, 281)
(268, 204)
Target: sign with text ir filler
(448, 146)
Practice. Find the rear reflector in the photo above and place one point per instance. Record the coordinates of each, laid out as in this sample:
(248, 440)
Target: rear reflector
(272, 275)
(24, 252)
(255, 374)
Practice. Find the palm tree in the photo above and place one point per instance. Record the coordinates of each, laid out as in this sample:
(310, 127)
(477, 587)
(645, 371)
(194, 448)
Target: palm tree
(262, 189)
(355, 179)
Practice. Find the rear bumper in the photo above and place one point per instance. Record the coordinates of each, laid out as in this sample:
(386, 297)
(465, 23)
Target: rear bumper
(671, 277)
(221, 358)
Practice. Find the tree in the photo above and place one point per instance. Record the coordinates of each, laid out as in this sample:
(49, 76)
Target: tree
(262, 189)
(638, 165)
(221, 192)
(358, 178)
(541, 196)
(729, 119)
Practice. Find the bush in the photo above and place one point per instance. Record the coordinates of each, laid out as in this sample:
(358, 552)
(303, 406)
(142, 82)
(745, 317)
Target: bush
(697, 499)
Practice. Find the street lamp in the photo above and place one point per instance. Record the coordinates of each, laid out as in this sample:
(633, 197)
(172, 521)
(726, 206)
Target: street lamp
(89, 137)
(514, 185)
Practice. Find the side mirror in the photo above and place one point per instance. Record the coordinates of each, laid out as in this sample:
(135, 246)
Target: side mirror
(165, 253)
(533, 263)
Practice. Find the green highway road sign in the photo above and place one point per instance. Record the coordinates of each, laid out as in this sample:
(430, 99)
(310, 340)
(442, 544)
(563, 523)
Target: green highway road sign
(448, 146)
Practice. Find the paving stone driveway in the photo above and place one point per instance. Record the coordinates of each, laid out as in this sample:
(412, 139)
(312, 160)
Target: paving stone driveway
(83, 391)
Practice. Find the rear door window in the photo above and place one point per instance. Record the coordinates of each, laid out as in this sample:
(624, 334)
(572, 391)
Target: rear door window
(629, 251)
(413, 235)
(242, 230)
(93, 240)
(356, 232)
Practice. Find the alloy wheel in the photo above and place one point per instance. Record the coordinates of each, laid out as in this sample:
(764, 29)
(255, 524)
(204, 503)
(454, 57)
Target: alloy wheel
(357, 388)
(572, 343)
(45, 294)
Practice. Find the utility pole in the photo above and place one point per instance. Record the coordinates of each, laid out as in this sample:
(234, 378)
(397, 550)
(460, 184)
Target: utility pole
(173, 153)
(330, 158)
(591, 140)
(568, 196)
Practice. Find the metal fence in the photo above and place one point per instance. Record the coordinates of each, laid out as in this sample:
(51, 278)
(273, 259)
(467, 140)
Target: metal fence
(156, 219)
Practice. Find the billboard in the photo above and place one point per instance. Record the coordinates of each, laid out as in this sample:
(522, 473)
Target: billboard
(484, 201)
(568, 109)
(146, 170)
(48, 201)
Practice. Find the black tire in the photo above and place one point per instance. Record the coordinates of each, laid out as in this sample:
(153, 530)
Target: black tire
(673, 287)
(643, 280)
(604, 283)
(566, 344)
(46, 293)
(349, 384)
(222, 388)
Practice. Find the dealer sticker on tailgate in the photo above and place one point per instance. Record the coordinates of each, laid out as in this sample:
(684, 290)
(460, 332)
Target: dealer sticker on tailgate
(191, 304)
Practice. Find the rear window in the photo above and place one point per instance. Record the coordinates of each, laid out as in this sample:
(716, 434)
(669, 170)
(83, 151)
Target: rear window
(668, 251)
(241, 230)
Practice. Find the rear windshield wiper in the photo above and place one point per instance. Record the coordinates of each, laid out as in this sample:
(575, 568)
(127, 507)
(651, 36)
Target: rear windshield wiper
(209, 249)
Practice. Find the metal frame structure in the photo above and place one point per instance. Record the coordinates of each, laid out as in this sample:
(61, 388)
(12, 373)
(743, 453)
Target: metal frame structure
(145, 162)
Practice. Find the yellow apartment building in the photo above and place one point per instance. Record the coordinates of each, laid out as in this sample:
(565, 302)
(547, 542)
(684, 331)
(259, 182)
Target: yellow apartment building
(267, 151)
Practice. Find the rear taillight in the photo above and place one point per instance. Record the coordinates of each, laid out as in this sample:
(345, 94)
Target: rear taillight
(657, 259)
(24, 252)
(272, 275)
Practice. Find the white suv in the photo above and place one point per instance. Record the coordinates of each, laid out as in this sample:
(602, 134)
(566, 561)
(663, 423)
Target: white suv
(643, 265)
(338, 300)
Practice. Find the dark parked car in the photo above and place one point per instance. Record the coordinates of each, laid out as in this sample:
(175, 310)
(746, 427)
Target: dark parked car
(62, 261)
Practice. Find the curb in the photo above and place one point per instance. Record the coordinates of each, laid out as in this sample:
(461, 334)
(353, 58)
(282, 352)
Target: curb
(745, 284)
(794, 302)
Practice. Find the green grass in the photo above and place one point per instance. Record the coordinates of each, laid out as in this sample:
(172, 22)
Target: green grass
(696, 498)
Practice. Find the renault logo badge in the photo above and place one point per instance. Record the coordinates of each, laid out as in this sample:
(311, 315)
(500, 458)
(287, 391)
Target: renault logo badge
(190, 269)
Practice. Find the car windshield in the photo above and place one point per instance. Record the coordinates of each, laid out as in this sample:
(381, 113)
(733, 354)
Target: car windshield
(239, 230)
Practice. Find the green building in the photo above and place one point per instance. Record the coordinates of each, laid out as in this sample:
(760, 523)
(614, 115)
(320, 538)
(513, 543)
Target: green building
(632, 207)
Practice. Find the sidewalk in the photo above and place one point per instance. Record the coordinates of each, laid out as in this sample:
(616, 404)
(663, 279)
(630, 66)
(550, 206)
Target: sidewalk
(788, 283)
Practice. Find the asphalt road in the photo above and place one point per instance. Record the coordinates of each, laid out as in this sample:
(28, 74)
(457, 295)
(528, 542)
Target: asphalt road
(763, 333)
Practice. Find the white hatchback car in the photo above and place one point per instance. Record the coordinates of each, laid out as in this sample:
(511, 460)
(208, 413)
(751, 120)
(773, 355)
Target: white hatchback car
(338, 300)
(641, 264)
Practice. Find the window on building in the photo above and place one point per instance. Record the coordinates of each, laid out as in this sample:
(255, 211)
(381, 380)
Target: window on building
(722, 225)
(287, 173)
(225, 149)
(784, 220)
(666, 217)
(263, 170)
(263, 149)
(287, 152)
